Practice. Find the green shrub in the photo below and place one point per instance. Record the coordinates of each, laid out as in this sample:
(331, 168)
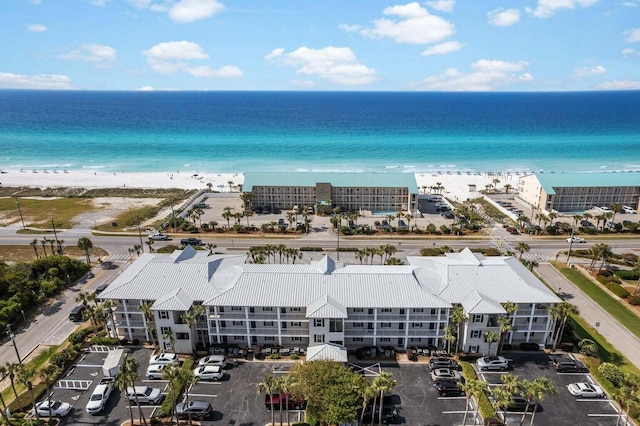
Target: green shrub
(108, 341)
(311, 249)
(633, 300)
(588, 347)
(294, 356)
(616, 289)
(627, 275)
(59, 359)
(612, 373)
(77, 337)
(274, 356)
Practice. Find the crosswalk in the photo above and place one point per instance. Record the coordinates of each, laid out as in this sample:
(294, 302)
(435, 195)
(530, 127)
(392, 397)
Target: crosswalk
(533, 256)
(118, 257)
(506, 246)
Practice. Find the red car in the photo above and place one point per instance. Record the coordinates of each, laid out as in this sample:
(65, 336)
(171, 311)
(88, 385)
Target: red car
(292, 402)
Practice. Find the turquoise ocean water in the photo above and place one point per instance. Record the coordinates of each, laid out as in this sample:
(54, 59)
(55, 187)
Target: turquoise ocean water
(228, 132)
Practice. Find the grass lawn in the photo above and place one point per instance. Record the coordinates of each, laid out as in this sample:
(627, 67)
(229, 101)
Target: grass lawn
(615, 308)
(27, 254)
(40, 212)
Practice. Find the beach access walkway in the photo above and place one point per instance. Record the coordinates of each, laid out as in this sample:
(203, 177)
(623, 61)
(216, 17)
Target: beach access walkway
(619, 336)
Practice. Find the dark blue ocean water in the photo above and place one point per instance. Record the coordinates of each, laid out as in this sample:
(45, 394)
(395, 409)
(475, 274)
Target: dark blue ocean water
(347, 131)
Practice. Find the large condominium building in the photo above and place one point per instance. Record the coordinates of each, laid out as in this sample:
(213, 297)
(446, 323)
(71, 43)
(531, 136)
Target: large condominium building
(390, 192)
(300, 305)
(572, 192)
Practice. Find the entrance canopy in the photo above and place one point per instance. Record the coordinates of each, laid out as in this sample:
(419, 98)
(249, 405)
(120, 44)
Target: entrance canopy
(327, 351)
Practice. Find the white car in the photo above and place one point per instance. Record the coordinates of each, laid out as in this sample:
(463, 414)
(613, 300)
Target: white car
(164, 358)
(586, 390)
(158, 237)
(576, 240)
(492, 363)
(155, 371)
(213, 360)
(100, 396)
(144, 394)
(58, 408)
(445, 374)
(209, 372)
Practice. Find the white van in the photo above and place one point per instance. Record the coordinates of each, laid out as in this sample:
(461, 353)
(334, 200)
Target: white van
(628, 210)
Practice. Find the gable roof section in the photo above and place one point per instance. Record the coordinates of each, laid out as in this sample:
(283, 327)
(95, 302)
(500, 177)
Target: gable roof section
(476, 303)
(177, 300)
(327, 351)
(326, 307)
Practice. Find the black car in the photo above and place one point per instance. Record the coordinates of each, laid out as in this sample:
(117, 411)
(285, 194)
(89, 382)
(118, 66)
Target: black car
(446, 388)
(519, 403)
(198, 409)
(389, 414)
(447, 214)
(566, 364)
(191, 241)
(101, 288)
(442, 362)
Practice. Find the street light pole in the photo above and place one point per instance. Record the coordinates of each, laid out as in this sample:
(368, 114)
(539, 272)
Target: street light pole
(570, 244)
(13, 340)
(20, 211)
(140, 235)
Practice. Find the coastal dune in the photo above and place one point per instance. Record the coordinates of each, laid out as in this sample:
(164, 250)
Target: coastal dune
(456, 186)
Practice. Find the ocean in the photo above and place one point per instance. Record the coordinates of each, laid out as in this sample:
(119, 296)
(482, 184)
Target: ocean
(229, 132)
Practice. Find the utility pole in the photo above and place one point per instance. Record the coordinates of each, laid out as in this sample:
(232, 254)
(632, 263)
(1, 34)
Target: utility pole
(140, 234)
(55, 235)
(20, 210)
(13, 340)
(570, 244)
(173, 218)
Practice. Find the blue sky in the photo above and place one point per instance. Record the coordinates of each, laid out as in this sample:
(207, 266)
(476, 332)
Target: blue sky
(439, 45)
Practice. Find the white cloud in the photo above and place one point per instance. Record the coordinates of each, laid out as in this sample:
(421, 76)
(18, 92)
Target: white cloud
(503, 17)
(98, 55)
(37, 28)
(350, 28)
(442, 5)
(547, 8)
(630, 52)
(410, 23)
(588, 71)
(489, 75)
(631, 3)
(620, 85)
(442, 48)
(336, 64)
(174, 56)
(41, 81)
(275, 53)
(633, 35)
(183, 11)
(98, 3)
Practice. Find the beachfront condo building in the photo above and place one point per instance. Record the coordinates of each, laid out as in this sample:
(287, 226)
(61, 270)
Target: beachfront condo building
(327, 302)
(577, 192)
(375, 192)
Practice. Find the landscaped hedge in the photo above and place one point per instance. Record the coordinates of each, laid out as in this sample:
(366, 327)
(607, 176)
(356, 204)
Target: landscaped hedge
(625, 274)
(616, 289)
(633, 300)
(311, 249)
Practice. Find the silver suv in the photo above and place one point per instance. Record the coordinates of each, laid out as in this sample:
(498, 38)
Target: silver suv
(199, 410)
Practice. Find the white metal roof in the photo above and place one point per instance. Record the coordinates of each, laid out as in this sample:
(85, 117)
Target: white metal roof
(326, 307)
(327, 351)
(177, 300)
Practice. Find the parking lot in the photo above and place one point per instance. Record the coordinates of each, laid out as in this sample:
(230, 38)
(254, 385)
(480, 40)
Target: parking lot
(563, 409)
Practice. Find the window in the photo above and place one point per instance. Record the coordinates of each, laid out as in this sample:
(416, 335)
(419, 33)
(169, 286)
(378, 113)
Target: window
(535, 319)
(220, 308)
(475, 334)
(163, 314)
(401, 311)
(164, 330)
(236, 308)
(269, 339)
(477, 318)
(319, 322)
(294, 309)
(335, 326)
(267, 309)
(417, 310)
(416, 324)
(415, 339)
(358, 310)
(283, 310)
(473, 348)
(357, 339)
(385, 325)
(223, 324)
(238, 323)
(296, 339)
(238, 338)
(385, 340)
(358, 324)
(318, 338)
(387, 310)
(296, 324)
(182, 336)
(432, 326)
(268, 323)
(433, 312)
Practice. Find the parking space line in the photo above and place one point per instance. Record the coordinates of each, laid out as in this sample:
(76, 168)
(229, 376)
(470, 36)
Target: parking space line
(202, 382)
(202, 395)
(601, 415)
(448, 398)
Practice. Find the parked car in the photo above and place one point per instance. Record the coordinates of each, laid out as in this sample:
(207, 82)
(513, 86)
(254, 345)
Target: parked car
(576, 240)
(213, 360)
(519, 403)
(440, 374)
(101, 288)
(442, 362)
(566, 364)
(155, 371)
(100, 396)
(199, 410)
(492, 363)
(191, 241)
(629, 210)
(57, 408)
(448, 388)
(447, 214)
(587, 224)
(164, 358)
(158, 236)
(144, 394)
(292, 402)
(512, 230)
(201, 206)
(389, 414)
(209, 372)
(78, 313)
(586, 390)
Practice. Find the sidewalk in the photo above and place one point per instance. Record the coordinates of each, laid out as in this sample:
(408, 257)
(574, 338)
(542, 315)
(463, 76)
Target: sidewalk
(621, 338)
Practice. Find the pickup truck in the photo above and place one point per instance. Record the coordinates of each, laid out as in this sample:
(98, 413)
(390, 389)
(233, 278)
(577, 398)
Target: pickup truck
(292, 402)
(100, 396)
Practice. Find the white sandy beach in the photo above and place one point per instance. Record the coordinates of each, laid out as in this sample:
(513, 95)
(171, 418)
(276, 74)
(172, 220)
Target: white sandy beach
(455, 185)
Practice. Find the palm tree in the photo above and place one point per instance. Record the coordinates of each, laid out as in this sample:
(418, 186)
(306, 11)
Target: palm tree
(84, 298)
(457, 318)
(3, 375)
(505, 322)
(168, 336)
(501, 401)
(627, 397)
(449, 337)
(188, 379)
(147, 313)
(472, 388)
(227, 214)
(507, 187)
(383, 383)
(536, 389)
(13, 369)
(34, 244)
(286, 385)
(44, 242)
(366, 393)
(269, 385)
(122, 382)
(561, 312)
(85, 245)
(605, 255)
(248, 213)
(24, 377)
(171, 373)
(615, 209)
(191, 318)
(522, 248)
(48, 374)
(491, 337)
